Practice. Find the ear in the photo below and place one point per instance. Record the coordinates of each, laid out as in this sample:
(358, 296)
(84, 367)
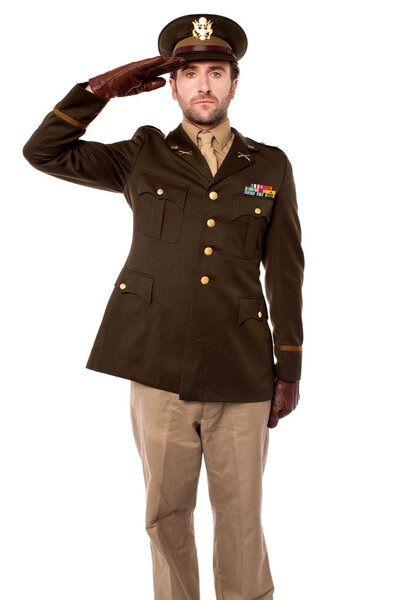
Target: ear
(234, 86)
(173, 88)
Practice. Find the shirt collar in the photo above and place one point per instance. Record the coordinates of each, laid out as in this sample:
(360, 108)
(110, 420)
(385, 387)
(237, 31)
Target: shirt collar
(222, 132)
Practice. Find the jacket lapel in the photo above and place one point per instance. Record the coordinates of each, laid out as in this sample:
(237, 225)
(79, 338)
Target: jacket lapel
(239, 156)
(181, 145)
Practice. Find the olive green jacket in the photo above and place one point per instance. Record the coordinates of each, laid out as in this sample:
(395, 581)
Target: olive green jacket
(187, 312)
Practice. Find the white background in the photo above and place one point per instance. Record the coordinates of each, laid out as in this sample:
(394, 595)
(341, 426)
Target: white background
(318, 81)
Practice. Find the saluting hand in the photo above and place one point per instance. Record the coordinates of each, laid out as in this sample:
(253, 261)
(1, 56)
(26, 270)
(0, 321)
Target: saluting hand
(285, 399)
(135, 77)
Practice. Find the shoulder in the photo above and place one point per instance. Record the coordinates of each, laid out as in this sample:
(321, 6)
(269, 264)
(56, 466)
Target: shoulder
(150, 130)
(271, 153)
(262, 147)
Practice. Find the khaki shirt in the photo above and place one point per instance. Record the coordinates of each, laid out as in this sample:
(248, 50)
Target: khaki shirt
(223, 137)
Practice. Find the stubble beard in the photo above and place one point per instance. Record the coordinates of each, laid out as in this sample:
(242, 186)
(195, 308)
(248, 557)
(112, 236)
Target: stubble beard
(214, 117)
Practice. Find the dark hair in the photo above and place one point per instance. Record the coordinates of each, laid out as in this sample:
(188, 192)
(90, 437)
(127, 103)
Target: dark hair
(235, 71)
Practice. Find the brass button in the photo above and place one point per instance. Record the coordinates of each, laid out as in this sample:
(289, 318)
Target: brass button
(257, 210)
(205, 279)
(208, 250)
(213, 195)
(160, 191)
(259, 314)
(210, 222)
(122, 286)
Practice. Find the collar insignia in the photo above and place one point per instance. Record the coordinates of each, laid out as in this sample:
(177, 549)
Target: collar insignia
(181, 151)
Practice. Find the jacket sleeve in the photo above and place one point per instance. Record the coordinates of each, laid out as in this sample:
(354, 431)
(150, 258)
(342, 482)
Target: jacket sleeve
(283, 260)
(55, 147)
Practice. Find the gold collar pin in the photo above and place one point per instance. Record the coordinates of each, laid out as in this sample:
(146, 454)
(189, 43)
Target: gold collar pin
(240, 155)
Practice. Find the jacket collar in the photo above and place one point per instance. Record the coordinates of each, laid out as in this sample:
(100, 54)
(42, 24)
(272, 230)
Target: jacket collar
(240, 155)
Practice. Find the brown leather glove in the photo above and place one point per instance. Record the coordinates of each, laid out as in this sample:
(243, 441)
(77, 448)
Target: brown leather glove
(285, 399)
(135, 77)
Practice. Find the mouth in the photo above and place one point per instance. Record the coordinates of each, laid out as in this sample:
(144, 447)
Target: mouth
(205, 102)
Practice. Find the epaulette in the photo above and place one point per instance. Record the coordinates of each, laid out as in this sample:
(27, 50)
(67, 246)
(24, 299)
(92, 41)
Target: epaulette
(252, 144)
(156, 129)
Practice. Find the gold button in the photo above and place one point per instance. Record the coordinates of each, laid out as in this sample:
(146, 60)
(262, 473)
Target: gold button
(210, 222)
(160, 191)
(208, 250)
(259, 314)
(205, 279)
(122, 286)
(257, 210)
(213, 195)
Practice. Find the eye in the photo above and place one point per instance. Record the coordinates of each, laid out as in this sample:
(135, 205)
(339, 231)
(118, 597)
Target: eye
(217, 72)
(190, 73)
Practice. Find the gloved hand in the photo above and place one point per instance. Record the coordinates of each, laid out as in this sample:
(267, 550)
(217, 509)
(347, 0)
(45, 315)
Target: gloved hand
(285, 399)
(135, 77)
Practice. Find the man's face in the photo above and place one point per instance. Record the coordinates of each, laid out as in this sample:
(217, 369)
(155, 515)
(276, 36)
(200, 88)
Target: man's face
(204, 91)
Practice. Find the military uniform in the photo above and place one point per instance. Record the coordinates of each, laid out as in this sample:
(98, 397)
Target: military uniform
(187, 319)
(181, 317)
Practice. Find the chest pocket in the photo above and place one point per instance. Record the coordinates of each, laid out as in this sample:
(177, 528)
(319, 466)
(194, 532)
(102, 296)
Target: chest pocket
(250, 217)
(159, 206)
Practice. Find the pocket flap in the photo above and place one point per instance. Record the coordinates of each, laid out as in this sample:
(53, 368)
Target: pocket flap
(134, 282)
(163, 188)
(253, 307)
(255, 206)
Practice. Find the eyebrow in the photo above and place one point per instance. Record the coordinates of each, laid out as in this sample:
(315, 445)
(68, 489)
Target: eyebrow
(194, 67)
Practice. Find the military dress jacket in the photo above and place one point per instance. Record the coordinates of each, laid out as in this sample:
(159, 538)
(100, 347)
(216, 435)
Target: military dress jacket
(187, 313)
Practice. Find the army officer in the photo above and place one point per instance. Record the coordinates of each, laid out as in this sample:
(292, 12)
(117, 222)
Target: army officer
(187, 322)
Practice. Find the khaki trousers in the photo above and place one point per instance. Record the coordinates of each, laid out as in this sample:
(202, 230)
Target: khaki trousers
(171, 435)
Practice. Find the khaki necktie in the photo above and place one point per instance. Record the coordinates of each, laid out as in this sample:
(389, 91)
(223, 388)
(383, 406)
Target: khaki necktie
(207, 150)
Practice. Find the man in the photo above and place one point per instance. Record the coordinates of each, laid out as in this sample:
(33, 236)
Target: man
(187, 321)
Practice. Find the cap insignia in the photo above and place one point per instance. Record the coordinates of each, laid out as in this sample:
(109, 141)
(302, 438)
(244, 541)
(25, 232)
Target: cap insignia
(202, 29)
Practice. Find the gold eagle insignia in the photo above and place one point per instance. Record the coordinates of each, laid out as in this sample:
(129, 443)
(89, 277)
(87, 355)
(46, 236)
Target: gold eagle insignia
(202, 29)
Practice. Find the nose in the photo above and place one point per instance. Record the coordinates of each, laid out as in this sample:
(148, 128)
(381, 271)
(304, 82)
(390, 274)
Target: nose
(203, 83)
